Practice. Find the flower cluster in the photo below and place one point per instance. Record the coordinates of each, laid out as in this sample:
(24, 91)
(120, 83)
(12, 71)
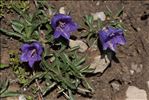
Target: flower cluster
(63, 25)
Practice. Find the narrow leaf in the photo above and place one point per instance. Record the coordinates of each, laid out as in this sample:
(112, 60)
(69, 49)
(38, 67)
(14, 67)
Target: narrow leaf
(4, 86)
(17, 26)
(120, 12)
(3, 66)
(9, 94)
(39, 75)
(70, 95)
(10, 33)
(48, 88)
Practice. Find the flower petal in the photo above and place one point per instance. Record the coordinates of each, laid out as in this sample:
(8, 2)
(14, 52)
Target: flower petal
(31, 63)
(59, 31)
(25, 47)
(38, 47)
(120, 40)
(33, 59)
(103, 36)
(70, 27)
(112, 45)
(24, 57)
(59, 17)
(105, 46)
(114, 30)
(38, 58)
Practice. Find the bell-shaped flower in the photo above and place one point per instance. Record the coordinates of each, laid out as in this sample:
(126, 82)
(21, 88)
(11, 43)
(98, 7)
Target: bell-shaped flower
(110, 37)
(63, 26)
(31, 53)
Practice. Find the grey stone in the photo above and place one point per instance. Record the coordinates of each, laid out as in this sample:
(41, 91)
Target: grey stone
(22, 97)
(137, 68)
(100, 64)
(80, 43)
(115, 85)
(134, 93)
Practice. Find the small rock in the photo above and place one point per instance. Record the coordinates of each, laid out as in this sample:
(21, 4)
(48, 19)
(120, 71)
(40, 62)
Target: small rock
(100, 64)
(115, 85)
(131, 72)
(136, 68)
(97, 3)
(22, 97)
(134, 93)
(99, 15)
(81, 44)
(139, 29)
(62, 10)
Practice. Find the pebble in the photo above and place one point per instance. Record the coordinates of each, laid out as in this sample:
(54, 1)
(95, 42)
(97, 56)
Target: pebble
(62, 10)
(134, 93)
(100, 64)
(137, 68)
(98, 3)
(83, 46)
(99, 15)
(131, 72)
(22, 97)
(115, 85)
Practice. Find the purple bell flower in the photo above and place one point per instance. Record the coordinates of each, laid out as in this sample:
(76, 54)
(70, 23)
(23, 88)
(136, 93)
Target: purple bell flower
(110, 37)
(63, 26)
(31, 53)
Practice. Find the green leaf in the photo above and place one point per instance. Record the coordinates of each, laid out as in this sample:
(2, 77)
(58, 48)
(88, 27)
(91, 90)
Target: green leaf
(83, 90)
(10, 33)
(80, 61)
(4, 86)
(9, 94)
(19, 11)
(120, 12)
(109, 12)
(39, 76)
(74, 48)
(65, 58)
(70, 95)
(17, 26)
(68, 84)
(86, 70)
(35, 35)
(89, 20)
(49, 27)
(48, 88)
(3, 66)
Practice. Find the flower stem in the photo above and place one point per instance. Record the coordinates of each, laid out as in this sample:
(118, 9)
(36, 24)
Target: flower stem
(64, 93)
(40, 97)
